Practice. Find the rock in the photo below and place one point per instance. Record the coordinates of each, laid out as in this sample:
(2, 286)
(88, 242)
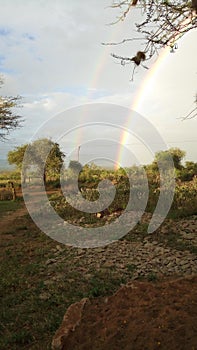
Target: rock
(70, 321)
(109, 264)
(51, 261)
(47, 282)
(80, 251)
(59, 248)
(100, 250)
(184, 263)
(44, 296)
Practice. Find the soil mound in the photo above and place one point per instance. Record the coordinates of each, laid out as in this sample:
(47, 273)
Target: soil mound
(141, 315)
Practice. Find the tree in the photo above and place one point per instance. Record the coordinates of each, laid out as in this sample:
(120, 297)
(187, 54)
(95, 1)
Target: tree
(43, 153)
(189, 171)
(47, 157)
(8, 119)
(16, 157)
(176, 154)
(163, 23)
(55, 161)
(75, 166)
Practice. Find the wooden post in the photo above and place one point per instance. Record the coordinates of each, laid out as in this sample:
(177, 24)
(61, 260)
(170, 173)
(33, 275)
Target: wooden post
(11, 185)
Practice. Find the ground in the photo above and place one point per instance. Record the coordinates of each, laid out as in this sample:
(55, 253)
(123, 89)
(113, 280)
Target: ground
(41, 278)
(140, 316)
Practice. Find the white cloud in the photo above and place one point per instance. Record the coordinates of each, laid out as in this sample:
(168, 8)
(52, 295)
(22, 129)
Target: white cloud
(51, 54)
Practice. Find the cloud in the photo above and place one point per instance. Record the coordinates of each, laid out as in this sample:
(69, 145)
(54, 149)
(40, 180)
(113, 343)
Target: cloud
(51, 54)
(59, 44)
(4, 31)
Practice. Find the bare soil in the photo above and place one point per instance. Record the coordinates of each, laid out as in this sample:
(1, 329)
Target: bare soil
(142, 315)
(149, 314)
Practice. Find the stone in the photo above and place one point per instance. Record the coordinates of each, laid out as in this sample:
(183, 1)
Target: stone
(71, 320)
(51, 261)
(44, 296)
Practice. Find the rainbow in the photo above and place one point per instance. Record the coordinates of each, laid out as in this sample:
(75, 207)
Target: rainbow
(95, 76)
(100, 64)
(137, 102)
(145, 88)
(149, 80)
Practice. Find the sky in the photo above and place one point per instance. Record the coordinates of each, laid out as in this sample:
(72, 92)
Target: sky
(51, 54)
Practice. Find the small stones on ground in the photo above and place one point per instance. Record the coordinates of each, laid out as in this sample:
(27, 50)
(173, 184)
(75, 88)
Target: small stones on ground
(51, 261)
(44, 296)
(168, 252)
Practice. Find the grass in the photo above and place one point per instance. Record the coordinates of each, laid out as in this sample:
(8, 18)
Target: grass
(152, 277)
(35, 292)
(6, 206)
(102, 284)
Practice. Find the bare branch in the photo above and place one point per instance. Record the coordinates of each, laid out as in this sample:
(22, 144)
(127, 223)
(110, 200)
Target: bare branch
(193, 112)
(165, 22)
(121, 42)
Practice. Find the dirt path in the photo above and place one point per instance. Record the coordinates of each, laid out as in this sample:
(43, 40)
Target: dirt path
(7, 220)
(9, 217)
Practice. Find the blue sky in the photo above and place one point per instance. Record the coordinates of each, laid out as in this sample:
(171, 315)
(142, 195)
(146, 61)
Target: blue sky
(51, 54)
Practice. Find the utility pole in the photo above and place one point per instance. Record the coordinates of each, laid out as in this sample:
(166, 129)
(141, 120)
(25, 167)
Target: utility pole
(78, 150)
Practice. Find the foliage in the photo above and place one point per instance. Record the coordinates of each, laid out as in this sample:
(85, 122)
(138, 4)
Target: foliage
(187, 172)
(47, 156)
(175, 153)
(9, 120)
(16, 157)
(185, 198)
(43, 153)
(75, 166)
(91, 175)
(135, 186)
(10, 175)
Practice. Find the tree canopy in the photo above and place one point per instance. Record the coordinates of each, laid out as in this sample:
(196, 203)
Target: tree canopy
(16, 157)
(9, 120)
(176, 153)
(75, 166)
(36, 156)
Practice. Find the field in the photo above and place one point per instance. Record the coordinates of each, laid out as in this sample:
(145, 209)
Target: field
(40, 278)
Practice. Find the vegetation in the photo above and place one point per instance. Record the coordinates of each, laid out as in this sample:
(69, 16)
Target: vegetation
(36, 156)
(9, 120)
(8, 206)
(41, 278)
(36, 287)
(176, 154)
(75, 166)
(184, 202)
(162, 24)
(185, 197)
(16, 157)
